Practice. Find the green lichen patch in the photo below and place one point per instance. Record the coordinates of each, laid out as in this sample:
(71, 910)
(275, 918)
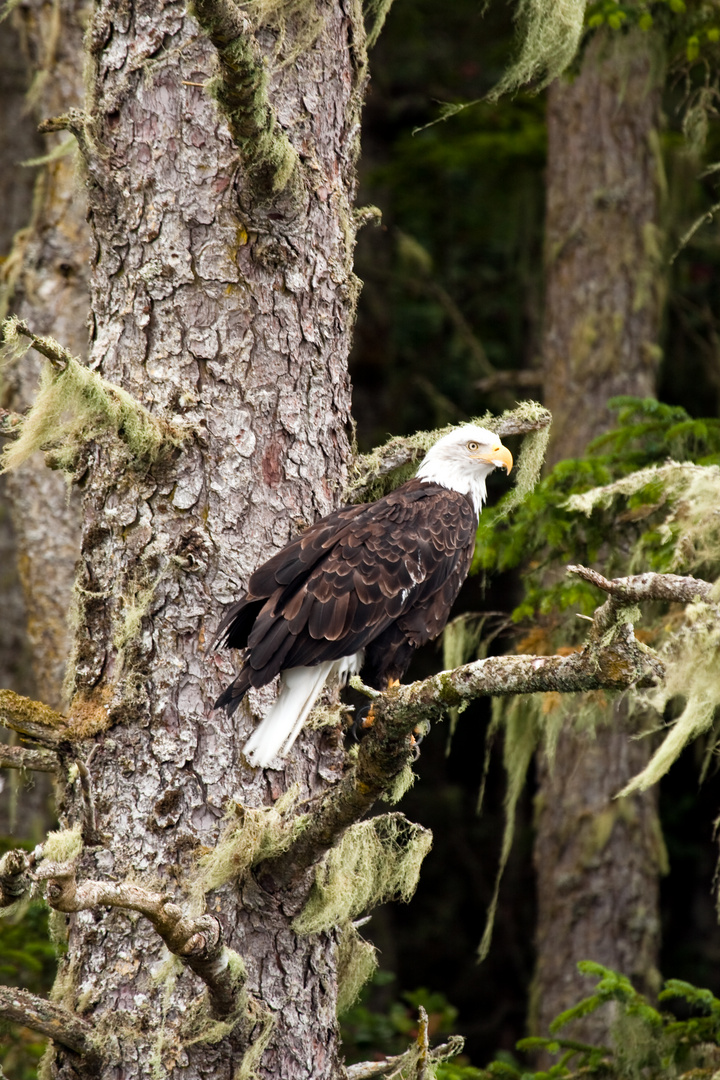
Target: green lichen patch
(376, 860)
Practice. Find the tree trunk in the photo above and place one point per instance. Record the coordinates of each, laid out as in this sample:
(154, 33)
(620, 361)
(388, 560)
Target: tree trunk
(223, 299)
(603, 248)
(598, 860)
(50, 288)
(44, 280)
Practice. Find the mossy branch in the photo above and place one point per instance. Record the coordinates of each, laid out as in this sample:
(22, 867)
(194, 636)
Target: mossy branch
(672, 588)
(612, 659)
(51, 1020)
(241, 90)
(93, 405)
(419, 1061)
(198, 942)
(32, 719)
(19, 757)
(383, 469)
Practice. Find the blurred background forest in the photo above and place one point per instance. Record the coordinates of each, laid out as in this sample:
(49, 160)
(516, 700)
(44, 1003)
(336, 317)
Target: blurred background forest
(462, 312)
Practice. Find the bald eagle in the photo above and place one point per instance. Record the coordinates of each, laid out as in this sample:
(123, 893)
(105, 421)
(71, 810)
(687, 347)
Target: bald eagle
(359, 590)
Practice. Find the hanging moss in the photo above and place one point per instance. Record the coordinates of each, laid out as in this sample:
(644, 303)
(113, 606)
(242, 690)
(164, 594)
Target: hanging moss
(549, 32)
(356, 963)
(251, 835)
(262, 1022)
(376, 860)
(692, 659)
(522, 734)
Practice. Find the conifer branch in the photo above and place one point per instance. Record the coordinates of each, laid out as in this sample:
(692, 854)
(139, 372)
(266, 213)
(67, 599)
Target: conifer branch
(368, 1070)
(47, 347)
(20, 757)
(674, 588)
(242, 92)
(33, 719)
(54, 1021)
(402, 451)
(612, 659)
(198, 942)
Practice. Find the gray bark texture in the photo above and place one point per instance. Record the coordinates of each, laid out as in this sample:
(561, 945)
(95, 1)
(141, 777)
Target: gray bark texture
(603, 244)
(222, 299)
(598, 860)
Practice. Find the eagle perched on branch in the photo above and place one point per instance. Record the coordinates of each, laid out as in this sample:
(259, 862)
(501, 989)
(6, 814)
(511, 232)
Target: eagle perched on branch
(359, 590)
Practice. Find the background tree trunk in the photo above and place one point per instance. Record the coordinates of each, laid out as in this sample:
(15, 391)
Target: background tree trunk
(45, 280)
(598, 860)
(230, 316)
(603, 244)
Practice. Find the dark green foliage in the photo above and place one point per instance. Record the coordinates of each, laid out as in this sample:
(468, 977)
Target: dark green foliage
(647, 1042)
(460, 280)
(543, 532)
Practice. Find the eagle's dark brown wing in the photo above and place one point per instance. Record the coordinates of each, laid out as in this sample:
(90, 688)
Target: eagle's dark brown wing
(380, 577)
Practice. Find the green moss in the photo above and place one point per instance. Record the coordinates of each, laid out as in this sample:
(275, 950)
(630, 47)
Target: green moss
(549, 34)
(356, 963)
(376, 860)
(262, 1023)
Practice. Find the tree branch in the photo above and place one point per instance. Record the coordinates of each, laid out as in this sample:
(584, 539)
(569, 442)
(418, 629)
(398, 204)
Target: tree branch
(54, 1021)
(607, 662)
(33, 719)
(401, 451)
(649, 586)
(368, 1070)
(48, 347)
(198, 942)
(18, 757)
(242, 92)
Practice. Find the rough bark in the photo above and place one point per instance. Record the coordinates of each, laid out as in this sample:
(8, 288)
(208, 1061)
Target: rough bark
(604, 277)
(232, 318)
(598, 860)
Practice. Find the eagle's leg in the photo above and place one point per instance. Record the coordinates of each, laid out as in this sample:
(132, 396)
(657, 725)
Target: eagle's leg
(365, 719)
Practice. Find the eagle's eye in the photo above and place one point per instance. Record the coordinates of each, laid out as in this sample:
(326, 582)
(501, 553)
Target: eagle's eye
(473, 446)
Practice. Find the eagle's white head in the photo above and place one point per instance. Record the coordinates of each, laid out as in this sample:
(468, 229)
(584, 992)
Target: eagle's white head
(463, 460)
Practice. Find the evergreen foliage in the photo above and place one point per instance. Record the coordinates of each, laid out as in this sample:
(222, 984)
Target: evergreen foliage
(549, 529)
(647, 1042)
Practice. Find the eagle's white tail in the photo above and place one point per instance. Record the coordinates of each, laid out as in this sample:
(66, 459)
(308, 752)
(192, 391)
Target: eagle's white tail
(300, 688)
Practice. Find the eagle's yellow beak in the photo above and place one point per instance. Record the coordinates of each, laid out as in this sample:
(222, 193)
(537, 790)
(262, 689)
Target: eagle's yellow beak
(499, 456)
